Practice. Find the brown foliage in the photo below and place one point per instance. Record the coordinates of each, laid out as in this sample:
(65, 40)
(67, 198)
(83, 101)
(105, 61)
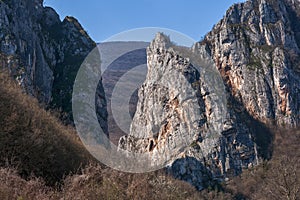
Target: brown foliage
(96, 182)
(278, 178)
(12, 186)
(33, 141)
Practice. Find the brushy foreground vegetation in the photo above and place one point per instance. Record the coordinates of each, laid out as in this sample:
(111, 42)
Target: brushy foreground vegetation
(32, 140)
(42, 159)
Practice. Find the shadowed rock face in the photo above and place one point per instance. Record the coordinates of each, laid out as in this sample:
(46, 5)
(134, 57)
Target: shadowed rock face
(181, 114)
(43, 53)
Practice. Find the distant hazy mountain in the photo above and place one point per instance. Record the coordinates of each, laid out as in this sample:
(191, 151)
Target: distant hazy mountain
(122, 57)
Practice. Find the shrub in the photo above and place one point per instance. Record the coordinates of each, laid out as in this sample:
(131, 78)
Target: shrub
(32, 140)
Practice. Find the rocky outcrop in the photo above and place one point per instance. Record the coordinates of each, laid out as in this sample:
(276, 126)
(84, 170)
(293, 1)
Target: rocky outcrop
(182, 119)
(204, 134)
(43, 53)
(256, 49)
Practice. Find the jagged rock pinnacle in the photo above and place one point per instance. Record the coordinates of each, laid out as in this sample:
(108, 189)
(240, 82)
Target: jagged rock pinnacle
(161, 41)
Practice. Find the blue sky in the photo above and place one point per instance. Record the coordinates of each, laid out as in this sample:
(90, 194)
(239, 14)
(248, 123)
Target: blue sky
(105, 18)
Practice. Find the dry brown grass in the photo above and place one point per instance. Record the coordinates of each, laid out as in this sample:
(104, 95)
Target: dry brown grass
(278, 178)
(12, 186)
(33, 141)
(96, 182)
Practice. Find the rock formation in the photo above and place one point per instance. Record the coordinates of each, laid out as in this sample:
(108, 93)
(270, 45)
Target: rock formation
(206, 134)
(184, 118)
(44, 54)
(256, 49)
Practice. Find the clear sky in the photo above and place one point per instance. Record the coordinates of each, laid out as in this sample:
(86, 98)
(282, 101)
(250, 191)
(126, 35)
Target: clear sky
(105, 18)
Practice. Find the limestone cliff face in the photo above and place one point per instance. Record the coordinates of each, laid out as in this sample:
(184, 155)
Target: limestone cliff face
(256, 49)
(43, 53)
(183, 115)
(181, 118)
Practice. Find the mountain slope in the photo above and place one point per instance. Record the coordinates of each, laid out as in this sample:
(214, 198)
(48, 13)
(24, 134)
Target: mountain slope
(256, 49)
(207, 135)
(38, 154)
(44, 54)
(33, 141)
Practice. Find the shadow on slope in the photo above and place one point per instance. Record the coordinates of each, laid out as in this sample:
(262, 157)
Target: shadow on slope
(261, 133)
(32, 140)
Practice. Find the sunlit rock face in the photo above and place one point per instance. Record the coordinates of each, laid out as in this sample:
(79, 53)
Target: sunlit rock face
(183, 119)
(256, 49)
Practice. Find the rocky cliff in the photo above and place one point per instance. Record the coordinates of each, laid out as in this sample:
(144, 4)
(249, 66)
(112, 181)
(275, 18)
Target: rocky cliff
(44, 54)
(207, 131)
(256, 49)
